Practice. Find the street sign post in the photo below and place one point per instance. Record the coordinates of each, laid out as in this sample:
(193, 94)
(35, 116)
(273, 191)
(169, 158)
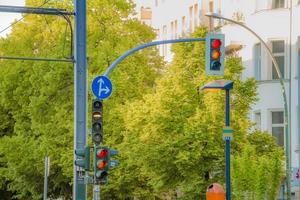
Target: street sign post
(101, 87)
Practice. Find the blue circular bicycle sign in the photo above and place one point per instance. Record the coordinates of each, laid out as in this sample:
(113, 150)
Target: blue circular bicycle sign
(101, 87)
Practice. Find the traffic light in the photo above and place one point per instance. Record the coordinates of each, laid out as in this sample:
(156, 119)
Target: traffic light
(97, 121)
(84, 160)
(215, 53)
(113, 163)
(101, 164)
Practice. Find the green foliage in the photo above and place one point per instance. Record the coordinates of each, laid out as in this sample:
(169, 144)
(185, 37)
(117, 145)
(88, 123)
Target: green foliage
(36, 98)
(173, 136)
(257, 171)
(168, 133)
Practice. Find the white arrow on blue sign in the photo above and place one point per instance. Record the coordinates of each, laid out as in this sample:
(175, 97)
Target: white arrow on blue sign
(101, 87)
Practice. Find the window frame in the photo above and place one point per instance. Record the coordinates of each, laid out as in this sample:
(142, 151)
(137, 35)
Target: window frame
(278, 54)
(257, 61)
(257, 126)
(172, 29)
(176, 29)
(196, 15)
(191, 9)
(183, 25)
(271, 125)
(164, 36)
(273, 6)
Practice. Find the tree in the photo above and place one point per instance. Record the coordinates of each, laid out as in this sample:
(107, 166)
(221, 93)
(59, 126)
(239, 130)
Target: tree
(36, 98)
(167, 131)
(258, 169)
(175, 133)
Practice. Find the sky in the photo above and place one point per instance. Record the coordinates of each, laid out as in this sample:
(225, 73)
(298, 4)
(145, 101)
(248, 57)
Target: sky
(7, 18)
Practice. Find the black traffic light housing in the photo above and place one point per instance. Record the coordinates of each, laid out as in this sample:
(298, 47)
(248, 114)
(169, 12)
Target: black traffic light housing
(101, 164)
(97, 121)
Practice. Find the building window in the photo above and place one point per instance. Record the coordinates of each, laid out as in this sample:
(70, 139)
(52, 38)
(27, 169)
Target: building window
(156, 3)
(278, 4)
(278, 127)
(257, 119)
(175, 29)
(211, 6)
(257, 61)
(211, 9)
(172, 30)
(278, 52)
(191, 19)
(183, 24)
(164, 36)
(196, 15)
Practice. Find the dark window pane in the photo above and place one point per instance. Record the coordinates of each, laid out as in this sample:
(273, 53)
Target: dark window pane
(277, 117)
(258, 120)
(277, 132)
(278, 3)
(278, 46)
(280, 61)
(257, 61)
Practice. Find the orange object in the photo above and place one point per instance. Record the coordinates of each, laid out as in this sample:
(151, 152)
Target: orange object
(215, 54)
(215, 192)
(102, 164)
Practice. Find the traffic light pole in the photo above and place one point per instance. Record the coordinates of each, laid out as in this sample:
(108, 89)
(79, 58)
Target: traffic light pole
(150, 44)
(96, 192)
(80, 78)
(80, 95)
(227, 147)
(227, 131)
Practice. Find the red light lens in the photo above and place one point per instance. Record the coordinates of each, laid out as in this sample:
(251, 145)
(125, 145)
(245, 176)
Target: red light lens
(216, 43)
(102, 153)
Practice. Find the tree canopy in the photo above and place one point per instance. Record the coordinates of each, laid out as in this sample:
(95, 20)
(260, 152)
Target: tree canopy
(168, 132)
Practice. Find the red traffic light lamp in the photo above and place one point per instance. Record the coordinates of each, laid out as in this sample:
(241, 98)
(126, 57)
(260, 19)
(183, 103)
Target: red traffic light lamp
(216, 43)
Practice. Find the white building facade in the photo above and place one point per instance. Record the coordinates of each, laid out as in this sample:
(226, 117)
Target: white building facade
(277, 22)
